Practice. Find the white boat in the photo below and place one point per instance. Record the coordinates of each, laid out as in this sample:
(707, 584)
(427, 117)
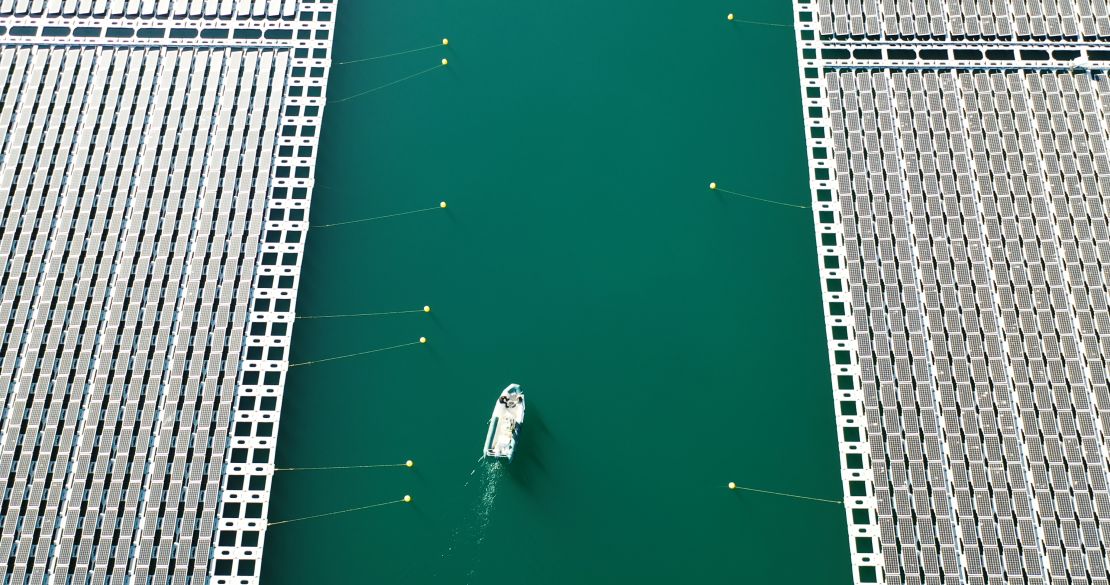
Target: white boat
(508, 415)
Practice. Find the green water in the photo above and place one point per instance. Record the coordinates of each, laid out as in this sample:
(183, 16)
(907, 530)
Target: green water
(669, 338)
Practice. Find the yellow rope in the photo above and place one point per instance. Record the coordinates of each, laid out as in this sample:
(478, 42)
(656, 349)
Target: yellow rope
(762, 199)
(739, 487)
(351, 355)
(338, 316)
(392, 83)
(388, 55)
(339, 467)
(335, 513)
(325, 225)
(760, 22)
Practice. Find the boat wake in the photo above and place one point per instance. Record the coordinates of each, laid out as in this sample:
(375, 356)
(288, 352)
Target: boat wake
(488, 481)
(472, 531)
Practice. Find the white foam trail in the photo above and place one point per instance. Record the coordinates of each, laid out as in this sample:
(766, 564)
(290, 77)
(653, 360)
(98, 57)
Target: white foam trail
(489, 476)
(485, 505)
(473, 530)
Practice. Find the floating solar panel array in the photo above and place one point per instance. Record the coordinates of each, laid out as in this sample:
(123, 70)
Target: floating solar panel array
(960, 198)
(152, 8)
(156, 167)
(970, 19)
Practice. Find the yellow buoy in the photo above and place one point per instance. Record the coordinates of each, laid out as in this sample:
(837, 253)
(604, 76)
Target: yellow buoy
(444, 61)
(423, 340)
(730, 17)
(409, 463)
(427, 309)
(732, 485)
(445, 42)
(408, 499)
(443, 205)
(713, 185)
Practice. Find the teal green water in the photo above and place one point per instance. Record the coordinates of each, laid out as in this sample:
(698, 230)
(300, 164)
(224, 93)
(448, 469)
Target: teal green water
(669, 338)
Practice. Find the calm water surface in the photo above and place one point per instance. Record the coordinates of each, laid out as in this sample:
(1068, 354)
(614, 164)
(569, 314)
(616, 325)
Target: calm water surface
(669, 338)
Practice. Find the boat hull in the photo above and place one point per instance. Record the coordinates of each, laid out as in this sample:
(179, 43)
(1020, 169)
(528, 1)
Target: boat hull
(504, 424)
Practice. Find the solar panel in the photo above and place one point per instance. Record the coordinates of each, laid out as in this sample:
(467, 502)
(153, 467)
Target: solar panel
(98, 75)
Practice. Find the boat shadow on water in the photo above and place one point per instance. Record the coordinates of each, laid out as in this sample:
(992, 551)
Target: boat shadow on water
(536, 423)
(527, 469)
